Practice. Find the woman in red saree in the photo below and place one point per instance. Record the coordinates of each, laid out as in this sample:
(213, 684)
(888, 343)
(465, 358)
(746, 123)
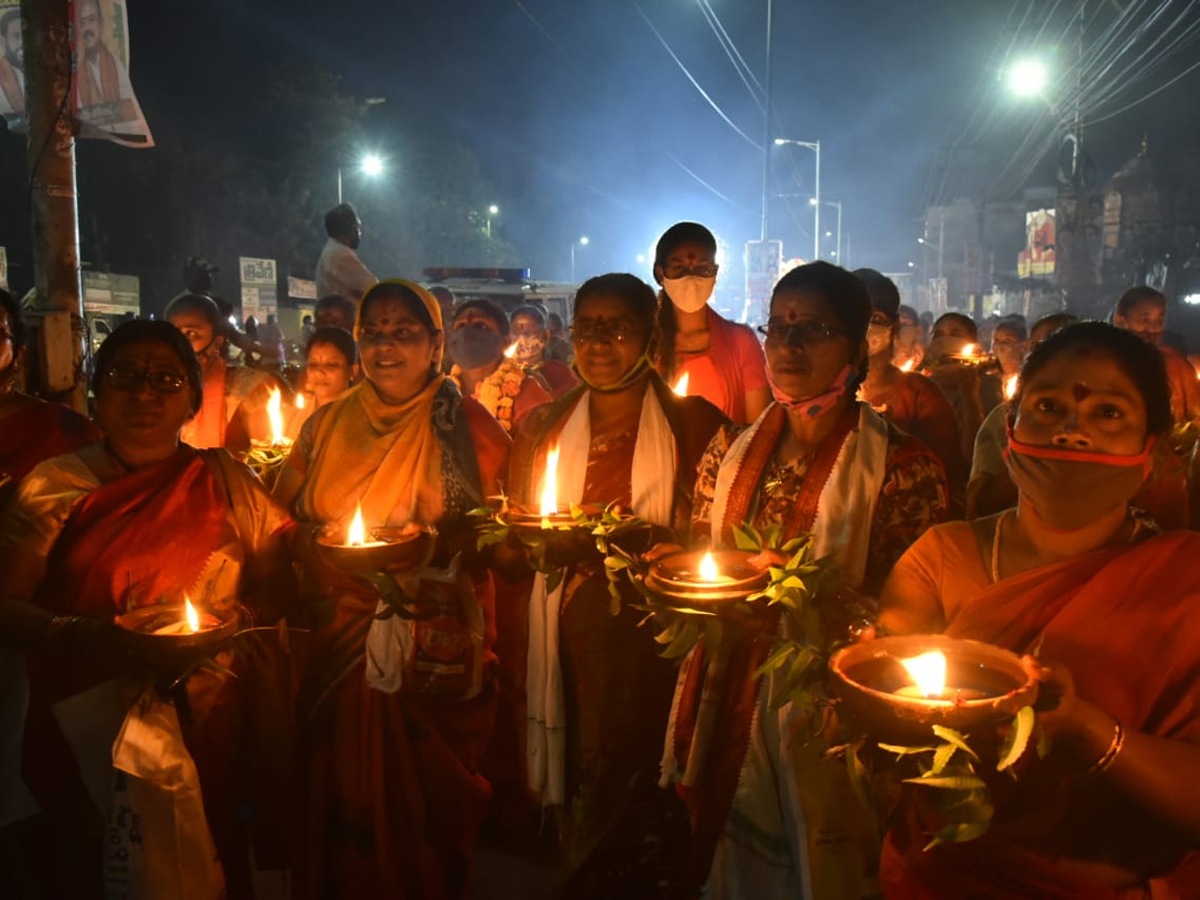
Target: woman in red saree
(1114, 810)
(909, 399)
(773, 816)
(93, 533)
(722, 360)
(235, 397)
(393, 798)
(599, 693)
(30, 429)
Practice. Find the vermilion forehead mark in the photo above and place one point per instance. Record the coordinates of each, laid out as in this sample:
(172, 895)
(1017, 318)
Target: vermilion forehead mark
(1082, 392)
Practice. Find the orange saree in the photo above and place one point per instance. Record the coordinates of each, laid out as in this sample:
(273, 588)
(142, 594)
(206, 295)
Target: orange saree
(391, 785)
(1123, 622)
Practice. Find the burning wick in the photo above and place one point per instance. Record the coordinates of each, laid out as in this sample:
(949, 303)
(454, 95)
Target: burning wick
(968, 350)
(193, 617)
(300, 401)
(510, 352)
(681, 386)
(709, 572)
(929, 672)
(549, 486)
(356, 535)
(275, 414)
(1010, 386)
(908, 365)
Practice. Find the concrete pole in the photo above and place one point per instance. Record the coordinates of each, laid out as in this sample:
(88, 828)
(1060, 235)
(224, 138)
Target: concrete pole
(817, 206)
(51, 159)
(766, 145)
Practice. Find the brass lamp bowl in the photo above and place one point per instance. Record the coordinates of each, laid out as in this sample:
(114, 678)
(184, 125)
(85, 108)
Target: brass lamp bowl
(527, 518)
(387, 549)
(676, 578)
(138, 627)
(993, 683)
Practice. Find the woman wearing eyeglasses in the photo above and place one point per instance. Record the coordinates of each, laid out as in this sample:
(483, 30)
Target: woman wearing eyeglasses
(772, 815)
(598, 692)
(722, 360)
(394, 720)
(138, 518)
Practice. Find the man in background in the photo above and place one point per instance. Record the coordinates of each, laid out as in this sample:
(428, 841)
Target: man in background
(339, 270)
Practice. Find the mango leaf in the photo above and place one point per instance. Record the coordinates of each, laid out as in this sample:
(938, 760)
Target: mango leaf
(668, 634)
(956, 738)
(905, 751)
(958, 833)
(746, 538)
(689, 632)
(776, 659)
(949, 782)
(942, 757)
(1018, 738)
(858, 775)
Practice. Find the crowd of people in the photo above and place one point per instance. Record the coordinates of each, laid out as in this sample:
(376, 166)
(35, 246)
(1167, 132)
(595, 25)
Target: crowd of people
(1026, 484)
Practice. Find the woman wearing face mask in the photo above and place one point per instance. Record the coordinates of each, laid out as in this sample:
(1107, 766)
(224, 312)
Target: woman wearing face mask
(909, 399)
(594, 745)
(235, 397)
(391, 743)
(476, 346)
(773, 816)
(722, 360)
(909, 349)
(531, 337)
(1108, 605)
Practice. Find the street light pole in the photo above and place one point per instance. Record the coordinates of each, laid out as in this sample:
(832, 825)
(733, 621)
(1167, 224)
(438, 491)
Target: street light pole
(837, 203)
(339, 185)
(815, 146)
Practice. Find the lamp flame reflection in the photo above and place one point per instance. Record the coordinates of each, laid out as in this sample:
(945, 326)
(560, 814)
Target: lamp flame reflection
(275, 415)
(681, 386)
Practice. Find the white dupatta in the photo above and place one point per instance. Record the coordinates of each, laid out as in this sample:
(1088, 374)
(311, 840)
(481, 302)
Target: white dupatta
(654, 463)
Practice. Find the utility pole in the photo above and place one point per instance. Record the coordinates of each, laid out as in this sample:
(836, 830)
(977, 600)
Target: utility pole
(766, 143)
(51, 160)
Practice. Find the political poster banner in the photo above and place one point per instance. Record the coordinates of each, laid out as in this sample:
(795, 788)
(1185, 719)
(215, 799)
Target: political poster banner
(12, 66)
(104, 102)
(1037, 259)
(260, 287)
(301, 288)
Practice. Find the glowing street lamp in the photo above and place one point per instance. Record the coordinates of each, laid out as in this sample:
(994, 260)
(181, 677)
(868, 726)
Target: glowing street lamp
(583, 242)
(371, 165)
(491, 211)
(1027, 78)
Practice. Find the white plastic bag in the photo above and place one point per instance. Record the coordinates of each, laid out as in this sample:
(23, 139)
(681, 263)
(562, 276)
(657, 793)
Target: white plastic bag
(157, 845)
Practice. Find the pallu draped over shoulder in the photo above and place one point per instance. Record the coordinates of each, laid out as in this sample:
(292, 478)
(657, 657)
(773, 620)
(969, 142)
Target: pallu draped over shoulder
(598, 691)
(1123, 622)
(393, 795)
(771, 815)
(197, 524)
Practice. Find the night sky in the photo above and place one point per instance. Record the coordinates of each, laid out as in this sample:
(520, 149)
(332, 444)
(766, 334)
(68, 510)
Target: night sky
(585, 125)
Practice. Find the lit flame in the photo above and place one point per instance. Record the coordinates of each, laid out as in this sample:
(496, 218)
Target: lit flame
(1010, 386)
(300, 401)
(908, 365)
(549, 486)
(681, 385)
(929, 672)
(275, 414)
(193, 617)
(968, 350)
(511, 351)
(357, 535)
(708, 568)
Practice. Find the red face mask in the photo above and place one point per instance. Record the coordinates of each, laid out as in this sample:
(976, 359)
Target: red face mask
(1073, 488)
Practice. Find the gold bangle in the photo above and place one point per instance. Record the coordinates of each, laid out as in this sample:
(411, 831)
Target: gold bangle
(1104, 763)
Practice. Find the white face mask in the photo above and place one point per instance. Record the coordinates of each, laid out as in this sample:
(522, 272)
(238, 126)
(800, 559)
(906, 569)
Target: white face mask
(879, 337)
(689, 293)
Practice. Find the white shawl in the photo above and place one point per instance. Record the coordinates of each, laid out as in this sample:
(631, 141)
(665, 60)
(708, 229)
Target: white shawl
(654, 463)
